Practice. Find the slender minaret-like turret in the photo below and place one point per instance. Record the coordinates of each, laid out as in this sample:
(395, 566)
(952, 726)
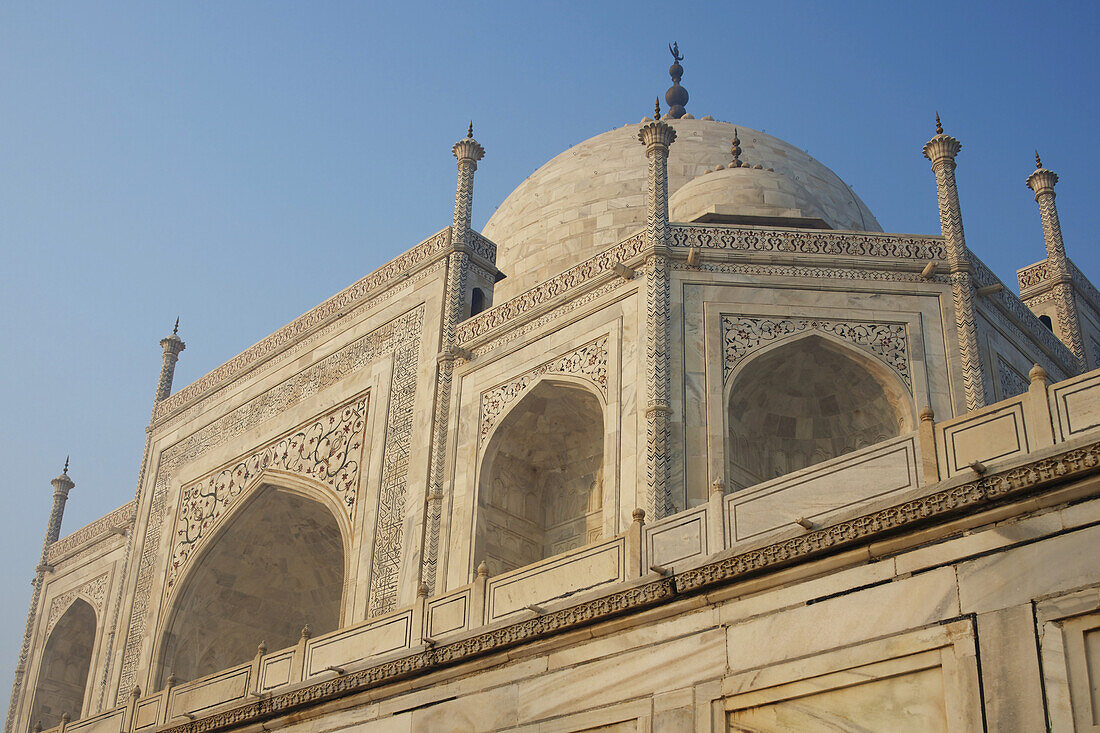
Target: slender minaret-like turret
(941, 150)
(62, 485)
(1042, 182)
(467, 153)
(657, 136)
(172, 345)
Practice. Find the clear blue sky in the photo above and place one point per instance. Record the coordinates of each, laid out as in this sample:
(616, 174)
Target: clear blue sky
(237, 163)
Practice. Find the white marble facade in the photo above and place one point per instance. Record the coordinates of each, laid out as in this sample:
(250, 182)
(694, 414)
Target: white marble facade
(350, 526)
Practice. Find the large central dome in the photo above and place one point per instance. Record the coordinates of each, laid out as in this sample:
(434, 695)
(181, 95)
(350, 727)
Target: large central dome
(593, 195)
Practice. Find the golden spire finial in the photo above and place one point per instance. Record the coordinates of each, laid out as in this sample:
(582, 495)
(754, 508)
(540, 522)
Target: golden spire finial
(939, 127)
(657, 109)
(66, 469)
(470, 131)
(735, 148)
(1038, 163)
(176, 328)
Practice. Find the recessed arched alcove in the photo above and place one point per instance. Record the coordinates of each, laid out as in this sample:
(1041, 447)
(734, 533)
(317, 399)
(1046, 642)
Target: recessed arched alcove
(276, 566)
(66, 662)
(541, 482)
(806, 401)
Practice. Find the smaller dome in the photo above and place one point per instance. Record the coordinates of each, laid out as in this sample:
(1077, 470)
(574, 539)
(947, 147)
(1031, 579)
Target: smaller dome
(746, 196)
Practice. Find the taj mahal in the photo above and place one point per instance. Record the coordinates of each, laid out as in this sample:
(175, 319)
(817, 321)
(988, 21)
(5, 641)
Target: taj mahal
(682, 440)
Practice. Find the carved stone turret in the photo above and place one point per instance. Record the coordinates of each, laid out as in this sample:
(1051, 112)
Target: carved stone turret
(1058, 276)
(657, 136)
(172, 346)
(941, 150)
(62, 485)
(467, 152)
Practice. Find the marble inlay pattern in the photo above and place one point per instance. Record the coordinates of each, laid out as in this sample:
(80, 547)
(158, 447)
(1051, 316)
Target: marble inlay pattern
(743, 334)
(328, 450)
(94, 592)
(589, 361)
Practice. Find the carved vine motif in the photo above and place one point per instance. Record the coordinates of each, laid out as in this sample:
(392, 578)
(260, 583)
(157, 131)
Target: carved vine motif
(806, 242)
(589, 361)
(328, 450)
(1012, 382)
(103, 527)
(742, 334)
(94, 592)
(1032, 275)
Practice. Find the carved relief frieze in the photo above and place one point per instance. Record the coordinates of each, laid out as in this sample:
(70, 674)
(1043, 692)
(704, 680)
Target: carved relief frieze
(1020, 313)
(328, 450)
(529, 300)
(846, 244)
(400, 336)
(106, 526)
(94, 592)
(589, 361)
(741, 335)
(1011, 381)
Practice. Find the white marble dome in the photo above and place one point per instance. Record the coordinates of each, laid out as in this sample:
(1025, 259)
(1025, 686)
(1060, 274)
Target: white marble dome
(593, 195)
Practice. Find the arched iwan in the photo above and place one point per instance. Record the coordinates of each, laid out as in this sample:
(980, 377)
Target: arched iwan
(805, 400)
(277, 563)
(540, 487)
(66, 663)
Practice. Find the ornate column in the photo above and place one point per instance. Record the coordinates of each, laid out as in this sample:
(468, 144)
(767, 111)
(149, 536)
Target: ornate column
(467, 152)
(61, 487)
(657, 136)
(941, 150)
(172, 346)
(1042, 182)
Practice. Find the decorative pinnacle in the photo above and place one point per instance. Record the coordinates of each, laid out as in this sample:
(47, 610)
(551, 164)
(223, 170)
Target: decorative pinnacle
(66, 469)
(657, 108)
(939, 127)
(470, 131)
(676, 96)
(1038, 163)
(735, 149)
(468, 149)
(176, 328)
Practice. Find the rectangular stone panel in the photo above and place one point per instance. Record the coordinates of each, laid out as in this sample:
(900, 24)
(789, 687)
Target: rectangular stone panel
(679, 538)
(813, 493)
(988, 436)
(275, 670)
(194, 697)
(587, 568)
(1077, 405)
(106, 723)
(448, 614)
(385, 635)
(147, 714)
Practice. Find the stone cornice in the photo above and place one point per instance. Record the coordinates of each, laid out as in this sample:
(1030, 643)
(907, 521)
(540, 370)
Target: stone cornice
(106, 526)
(942, 503)
(391, 274)
(859, 249)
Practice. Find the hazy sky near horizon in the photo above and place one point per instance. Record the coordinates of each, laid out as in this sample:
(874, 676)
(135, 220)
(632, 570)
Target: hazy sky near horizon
(235, 164)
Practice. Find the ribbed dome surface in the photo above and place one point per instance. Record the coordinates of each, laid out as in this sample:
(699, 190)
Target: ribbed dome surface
(593, 195)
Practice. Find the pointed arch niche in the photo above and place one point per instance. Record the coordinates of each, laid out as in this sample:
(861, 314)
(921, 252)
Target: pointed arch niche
(805, 400)
(541, 483)
(277, 564)
(66, 663)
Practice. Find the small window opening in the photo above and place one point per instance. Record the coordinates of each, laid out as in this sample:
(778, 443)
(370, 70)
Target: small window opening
(477, 302)
(1045, 320)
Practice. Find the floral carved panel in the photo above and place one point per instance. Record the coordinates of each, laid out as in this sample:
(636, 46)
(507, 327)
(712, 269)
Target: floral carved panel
(328, 449)
(589, 361)
(94, 592)
(741, 335)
